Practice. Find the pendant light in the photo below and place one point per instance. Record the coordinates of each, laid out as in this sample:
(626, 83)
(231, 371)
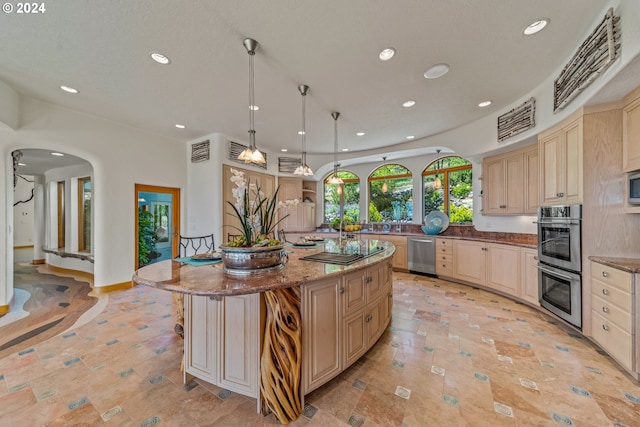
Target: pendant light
(303, 169)
(384, 184)
(251, 154)
(335, 179)
(437, 183)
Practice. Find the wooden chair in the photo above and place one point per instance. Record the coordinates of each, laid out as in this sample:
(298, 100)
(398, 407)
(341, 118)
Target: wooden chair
(189, 246)
(282, 236)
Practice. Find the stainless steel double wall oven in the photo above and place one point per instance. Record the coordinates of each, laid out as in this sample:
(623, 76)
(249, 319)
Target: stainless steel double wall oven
(560, 261)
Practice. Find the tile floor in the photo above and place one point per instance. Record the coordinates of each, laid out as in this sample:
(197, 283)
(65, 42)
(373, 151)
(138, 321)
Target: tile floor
(452, 356)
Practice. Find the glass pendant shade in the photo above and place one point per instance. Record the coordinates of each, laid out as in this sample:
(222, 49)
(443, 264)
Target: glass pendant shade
(437, 183)
(384, 187)
(251, 154)
(303, 169)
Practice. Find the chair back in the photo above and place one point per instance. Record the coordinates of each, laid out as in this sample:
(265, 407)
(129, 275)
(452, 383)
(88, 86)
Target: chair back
(282, 236)
(231, 237)
(196, 245)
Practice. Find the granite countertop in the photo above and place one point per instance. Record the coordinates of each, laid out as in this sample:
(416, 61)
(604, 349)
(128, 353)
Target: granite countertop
(630, 265)
(210, 280)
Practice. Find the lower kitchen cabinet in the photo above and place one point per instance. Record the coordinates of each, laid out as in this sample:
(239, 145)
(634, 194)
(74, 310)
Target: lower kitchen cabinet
(341, 319)
(503, 268)
(444, 257)
(470, 261)
(529, 281)
(400, 259)
(613, 314)
(224, 349)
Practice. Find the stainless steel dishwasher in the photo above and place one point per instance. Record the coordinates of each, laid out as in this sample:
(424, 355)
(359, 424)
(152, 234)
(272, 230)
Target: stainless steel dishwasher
(422, 254)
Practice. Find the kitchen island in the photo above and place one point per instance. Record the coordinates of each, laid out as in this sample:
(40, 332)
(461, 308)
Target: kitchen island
(279, 335)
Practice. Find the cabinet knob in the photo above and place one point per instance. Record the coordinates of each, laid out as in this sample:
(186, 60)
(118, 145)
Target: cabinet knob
(559, 194)
(605, 309)
(214, 298)
(368, 318)
(443, 265)
(605, 327)
(390, 294)
(605, 292)
(605, 274)
(341, 290)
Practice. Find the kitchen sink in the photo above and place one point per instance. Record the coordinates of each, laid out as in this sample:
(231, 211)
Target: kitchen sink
(343, 258)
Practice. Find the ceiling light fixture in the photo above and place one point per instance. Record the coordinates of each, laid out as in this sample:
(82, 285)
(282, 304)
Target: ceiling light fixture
(384, 184)
(284, 150)
(179, 126)
(69, 89)
(535, 26)
(410, 137)
(57, 154)
(251, 154)
(436, 71)
(360, 134)
(335, 179)
(22, 164)
(485, 103)
(303, 169)
(387, 54)
(345, 149)
(160, 58)
(409, 103)
(437, 183)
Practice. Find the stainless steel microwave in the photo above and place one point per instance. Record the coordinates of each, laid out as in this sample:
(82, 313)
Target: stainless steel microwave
(634, 188)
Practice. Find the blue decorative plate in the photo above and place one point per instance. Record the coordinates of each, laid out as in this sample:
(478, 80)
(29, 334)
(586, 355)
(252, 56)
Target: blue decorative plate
(438, 219)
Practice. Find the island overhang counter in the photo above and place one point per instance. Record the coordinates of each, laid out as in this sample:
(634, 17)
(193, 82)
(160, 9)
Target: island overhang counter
(276, 336)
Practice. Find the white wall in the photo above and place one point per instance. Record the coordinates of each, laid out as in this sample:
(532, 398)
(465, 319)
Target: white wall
(23, 212)
(120, 155)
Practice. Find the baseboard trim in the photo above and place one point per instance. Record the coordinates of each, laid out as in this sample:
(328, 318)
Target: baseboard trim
(38, 261)
(101, 290)
(68, 272)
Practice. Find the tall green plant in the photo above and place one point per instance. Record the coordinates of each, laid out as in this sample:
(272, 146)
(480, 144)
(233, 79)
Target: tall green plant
(147, 236)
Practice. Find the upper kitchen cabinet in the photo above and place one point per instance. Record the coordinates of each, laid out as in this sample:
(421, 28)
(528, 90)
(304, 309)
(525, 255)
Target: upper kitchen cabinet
(510, 182)
(560, 150)
(302, 216)
(631, 132)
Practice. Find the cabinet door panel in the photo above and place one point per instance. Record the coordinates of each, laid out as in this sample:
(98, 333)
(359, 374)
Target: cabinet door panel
(469, 261)
(354, 292)
(613, 339)
(631, 136)
(239, 352)
(355, 338)
(514, 184)
(503, 272)
(321, 333)
(550, 170)
(493, 194)
(573, 163)
(530, 276)
(532, 168)
(201, 321)
(375, 319)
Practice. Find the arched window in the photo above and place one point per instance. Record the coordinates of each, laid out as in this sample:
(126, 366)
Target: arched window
(390, 194)
(446, 186)
(342, 198)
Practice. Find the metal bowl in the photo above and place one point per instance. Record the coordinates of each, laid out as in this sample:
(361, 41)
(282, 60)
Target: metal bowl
(248, 260)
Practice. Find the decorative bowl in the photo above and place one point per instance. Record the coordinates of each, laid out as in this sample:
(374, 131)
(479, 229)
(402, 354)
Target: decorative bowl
(431, 229)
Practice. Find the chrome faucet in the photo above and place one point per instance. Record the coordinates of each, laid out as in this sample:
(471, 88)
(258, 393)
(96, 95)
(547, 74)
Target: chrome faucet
(340, 231)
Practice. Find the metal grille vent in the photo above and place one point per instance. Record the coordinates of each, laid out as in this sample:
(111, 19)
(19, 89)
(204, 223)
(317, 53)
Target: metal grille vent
(517, 120)
(591, 59)
(200, 151)
(235, 149)
(288, 164)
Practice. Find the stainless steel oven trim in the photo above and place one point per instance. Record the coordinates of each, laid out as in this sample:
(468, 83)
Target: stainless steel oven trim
(575, 255)
(575, 318)
(546, 270)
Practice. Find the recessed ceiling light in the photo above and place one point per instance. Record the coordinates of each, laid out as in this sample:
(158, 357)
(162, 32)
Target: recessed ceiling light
(22, 164)
(436, 71)
(284, 150)
(69, 89)
(179, 126)
(160, 58)
(57, 154)
(410, 137)
(484, 104)
(536, 26)
(387, 54)
(409, 103)
(254, 107)
(360, 134)
(301, 132)
(345, 149)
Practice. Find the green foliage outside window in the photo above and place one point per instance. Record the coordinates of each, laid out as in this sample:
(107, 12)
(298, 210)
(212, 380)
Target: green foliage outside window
(350, 198)
(395, 204)
(147, 236)
(458, 182)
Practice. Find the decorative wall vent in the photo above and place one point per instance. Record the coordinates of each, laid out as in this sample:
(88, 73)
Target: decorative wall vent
(517, 120)
(235, 149)
(592, 58)
(200, 151)
(288, 164)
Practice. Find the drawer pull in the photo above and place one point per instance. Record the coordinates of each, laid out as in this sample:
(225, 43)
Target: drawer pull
(368, 318)
(559, 194)
(605, 327)
(605, 292)
(341, 290)
(605, 309)
(605, 274)
(443, 265)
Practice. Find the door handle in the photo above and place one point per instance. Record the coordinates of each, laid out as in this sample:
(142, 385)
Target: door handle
(558, 274)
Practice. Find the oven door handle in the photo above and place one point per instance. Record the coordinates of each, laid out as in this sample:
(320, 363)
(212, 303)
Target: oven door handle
(559, 222)
(546, 270)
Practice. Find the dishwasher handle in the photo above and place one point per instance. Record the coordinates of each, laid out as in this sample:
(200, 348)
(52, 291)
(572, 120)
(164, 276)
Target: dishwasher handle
(422, 240)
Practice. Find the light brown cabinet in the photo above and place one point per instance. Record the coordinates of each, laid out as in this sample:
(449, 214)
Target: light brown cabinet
(222, 337)
(613, 314)
(503, 268)
(342, 319)
(560, 150)
(631, 132)
(444, 257)
(470, 261)
(400, 258)
(529, 281)
(301, 217)
(510, 182)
